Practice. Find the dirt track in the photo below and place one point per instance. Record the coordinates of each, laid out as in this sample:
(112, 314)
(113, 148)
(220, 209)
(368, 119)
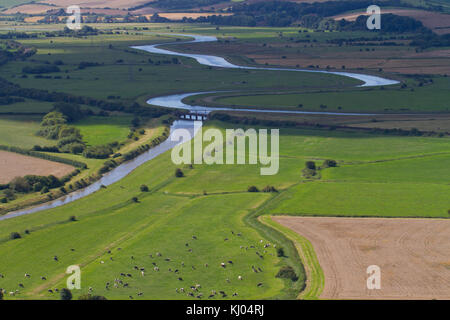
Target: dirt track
(413, 255)
(13, 165)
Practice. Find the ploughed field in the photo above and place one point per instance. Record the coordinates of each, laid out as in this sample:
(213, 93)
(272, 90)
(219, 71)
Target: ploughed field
(16, 165)
(412, 255)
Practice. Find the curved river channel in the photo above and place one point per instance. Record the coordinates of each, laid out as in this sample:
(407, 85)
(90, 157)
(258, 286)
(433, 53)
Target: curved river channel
(175, 101)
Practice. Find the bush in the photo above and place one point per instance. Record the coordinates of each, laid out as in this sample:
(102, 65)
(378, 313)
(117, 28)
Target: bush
(97, 152)
(144, 188)
(20, 184)
(280, 252)
(310, 165)
(252, 189)
(15, 235)
(65, 294)
(287, 272)
(329, 164)
(269, 189)
(179, 173)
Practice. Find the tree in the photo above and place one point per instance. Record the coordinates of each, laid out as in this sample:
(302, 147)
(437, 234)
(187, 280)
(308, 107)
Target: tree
(15, 235)
(329, 164)
(179, 173)
(65, 294)
(20, 184)
(280, 252)
(287, 272)
(252, 189)
(310, 165)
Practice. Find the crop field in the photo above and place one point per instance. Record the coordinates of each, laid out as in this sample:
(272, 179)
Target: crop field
(16, 165)
(411, 253)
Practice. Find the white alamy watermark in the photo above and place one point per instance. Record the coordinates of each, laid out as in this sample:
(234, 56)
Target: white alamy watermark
(374, 279)
(374, 19)
(235, 142)
(73, 281)
(74, 21)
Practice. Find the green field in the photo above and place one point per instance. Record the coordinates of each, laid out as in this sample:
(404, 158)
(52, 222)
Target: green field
(21, 131)
(429, 98)
(104, 130)
(175, 209)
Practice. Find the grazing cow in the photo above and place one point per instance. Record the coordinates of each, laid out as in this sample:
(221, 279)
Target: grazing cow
(226, 239)
(230, 262)
(21, 285)
(181, 289)
(158, 254)
(194, 237)
(50, 290)
(235, 294)
(180, 278)
(27, 275)
(239, 277)
(129, 275)
(55, 258)
(206, 265)
(43, 278)
(156, 268)
(222, 265)
(142, 273)
(259, 284)
(140, 294)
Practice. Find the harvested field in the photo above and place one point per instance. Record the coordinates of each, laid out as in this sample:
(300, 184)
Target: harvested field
(438, 22)
(30, 9)
(181, 15)
(13, 165)
(116, 4)
(413, 255)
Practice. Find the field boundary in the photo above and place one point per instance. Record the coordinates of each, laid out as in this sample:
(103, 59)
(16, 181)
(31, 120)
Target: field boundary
(293, 289)
(315, 279)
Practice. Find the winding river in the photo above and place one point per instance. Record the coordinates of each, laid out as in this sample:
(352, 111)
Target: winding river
(175, 101)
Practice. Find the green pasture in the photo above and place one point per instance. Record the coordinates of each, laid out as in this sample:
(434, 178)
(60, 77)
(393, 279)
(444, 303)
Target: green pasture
(175, 209)
(20, 131)
(428, 98)
(103, 130)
